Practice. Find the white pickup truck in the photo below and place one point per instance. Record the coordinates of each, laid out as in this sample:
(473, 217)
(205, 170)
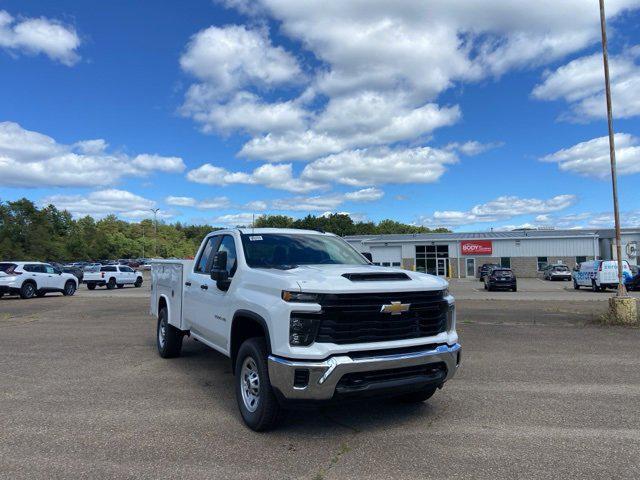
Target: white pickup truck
(112, 276)
(305, 318)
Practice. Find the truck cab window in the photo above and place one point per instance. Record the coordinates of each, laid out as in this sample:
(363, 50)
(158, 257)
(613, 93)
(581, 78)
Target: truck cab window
(203, 265)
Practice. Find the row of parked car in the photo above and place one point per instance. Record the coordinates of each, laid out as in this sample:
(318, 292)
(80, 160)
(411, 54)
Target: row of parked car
(36, 279)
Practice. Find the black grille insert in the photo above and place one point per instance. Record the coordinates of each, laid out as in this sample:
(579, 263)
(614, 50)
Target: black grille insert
(435, 373)
(357, 318)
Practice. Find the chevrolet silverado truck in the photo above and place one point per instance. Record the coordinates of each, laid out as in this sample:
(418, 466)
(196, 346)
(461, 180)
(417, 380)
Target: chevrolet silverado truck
(306, 319)
(112, 276)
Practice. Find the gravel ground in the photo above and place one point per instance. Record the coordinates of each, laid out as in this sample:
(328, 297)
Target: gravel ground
(544, 392)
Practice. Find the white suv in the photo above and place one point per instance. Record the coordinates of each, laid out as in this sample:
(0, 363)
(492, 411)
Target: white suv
(29, 279)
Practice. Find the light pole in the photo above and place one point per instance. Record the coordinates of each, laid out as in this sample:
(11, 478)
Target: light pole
(155, 230)
(142, 241)
(622, 291)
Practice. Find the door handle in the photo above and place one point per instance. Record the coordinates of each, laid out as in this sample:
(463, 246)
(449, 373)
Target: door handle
(188, 284)
(204, 287)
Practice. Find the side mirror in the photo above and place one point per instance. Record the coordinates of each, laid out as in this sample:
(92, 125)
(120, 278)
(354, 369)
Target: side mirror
(219, 271)
(368, 256)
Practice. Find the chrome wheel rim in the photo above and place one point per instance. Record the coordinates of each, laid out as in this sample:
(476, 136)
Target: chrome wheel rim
(70, 289)
(162, 332)
(29, 290)
(250, 384)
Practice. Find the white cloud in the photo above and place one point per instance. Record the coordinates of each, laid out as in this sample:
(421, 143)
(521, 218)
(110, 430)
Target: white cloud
(207, 204)
(472, 147)
(502, 208)
(380, 166)
(257, 205)
(365, 195)
(278, 177)
(101, 203)
(581, 84)
(34, 36)
(31, 159)
(235, 219)
(591, 158)
(227, 59)
(326, 202)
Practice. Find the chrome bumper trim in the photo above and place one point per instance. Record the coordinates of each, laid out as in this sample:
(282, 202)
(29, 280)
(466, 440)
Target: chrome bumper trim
(324, 375)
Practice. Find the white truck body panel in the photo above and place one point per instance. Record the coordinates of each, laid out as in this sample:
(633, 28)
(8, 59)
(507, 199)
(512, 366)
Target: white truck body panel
(602, 272)
(167, 280)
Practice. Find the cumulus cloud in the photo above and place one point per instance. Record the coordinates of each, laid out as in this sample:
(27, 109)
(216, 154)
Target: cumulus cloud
(591, 158)
(326, 202)
(101, 203)
(472, 147)
(32, 159)
(216, 203)
(380, 166)
(502, 208)
(580, 83)
(235, 219)
(34, 36)
(278, 177)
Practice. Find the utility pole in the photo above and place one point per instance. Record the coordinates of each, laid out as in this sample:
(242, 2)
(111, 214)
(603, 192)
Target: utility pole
(142, 241)
(155, 230)
(622, 291)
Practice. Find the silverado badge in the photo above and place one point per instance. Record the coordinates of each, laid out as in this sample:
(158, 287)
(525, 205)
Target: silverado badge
(395, 308)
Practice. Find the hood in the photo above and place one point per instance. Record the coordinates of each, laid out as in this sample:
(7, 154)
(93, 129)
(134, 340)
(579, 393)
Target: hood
(358, 278)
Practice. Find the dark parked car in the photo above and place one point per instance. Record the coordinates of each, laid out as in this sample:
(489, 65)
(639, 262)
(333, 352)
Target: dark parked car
(484, 269)
(501, 278)
(75, 271)
(634, 282)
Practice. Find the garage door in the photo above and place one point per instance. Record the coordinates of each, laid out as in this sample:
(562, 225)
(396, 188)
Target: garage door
(387, 256)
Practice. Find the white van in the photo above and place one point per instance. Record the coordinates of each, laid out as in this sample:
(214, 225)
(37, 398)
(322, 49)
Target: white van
(600, 274)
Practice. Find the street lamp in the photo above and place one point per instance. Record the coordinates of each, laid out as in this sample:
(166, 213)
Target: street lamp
(155, 230)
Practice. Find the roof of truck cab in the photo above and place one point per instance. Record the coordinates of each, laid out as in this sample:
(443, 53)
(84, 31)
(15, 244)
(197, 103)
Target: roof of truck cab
(250, 231)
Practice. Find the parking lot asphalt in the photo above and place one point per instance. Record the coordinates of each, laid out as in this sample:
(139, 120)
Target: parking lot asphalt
(544, 392)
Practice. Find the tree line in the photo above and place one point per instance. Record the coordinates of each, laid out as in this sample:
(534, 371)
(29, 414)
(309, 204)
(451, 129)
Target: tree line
(47, 233)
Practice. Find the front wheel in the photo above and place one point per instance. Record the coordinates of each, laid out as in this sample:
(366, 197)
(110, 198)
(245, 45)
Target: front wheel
(594, 286)
(575, 285)
(419, 396)
(257, 403)
(69, 288)
(138, 283)
(169, 337)
(91, 286)
(111, 284)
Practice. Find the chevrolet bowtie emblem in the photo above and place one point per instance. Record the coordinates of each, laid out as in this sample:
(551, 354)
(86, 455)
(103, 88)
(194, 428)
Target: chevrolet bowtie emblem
(395, 308)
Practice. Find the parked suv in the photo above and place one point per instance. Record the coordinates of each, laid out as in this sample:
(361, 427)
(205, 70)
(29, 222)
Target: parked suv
(305, 319)
(557, 272)
(501, 279)
(29, 279)
(485, 268)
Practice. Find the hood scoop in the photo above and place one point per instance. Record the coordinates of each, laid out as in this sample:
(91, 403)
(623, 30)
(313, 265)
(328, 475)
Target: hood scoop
(376, 276)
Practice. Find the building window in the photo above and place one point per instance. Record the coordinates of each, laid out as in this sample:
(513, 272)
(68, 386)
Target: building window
(395, 264)
(542, 263)
(580, 260)
(505, 262)
(427, 258)
(386, 264)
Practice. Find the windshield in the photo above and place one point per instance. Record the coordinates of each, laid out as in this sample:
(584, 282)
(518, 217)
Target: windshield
(561, 269)
(270, 250)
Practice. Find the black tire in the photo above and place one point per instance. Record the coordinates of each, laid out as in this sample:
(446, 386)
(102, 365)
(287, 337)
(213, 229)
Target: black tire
(419, 396)
(514, 289)
(138, 283)
(485, 286)
(40, 293)
(69, 288)
(111, 284)
(594, 286)
(91, 286)
(168, 337)
(28, 290)
(120, 285)
(575, 285)
(268, 412)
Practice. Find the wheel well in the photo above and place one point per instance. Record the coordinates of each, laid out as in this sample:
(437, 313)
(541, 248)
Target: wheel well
(162, 303)
(245, 326)
(33, 282)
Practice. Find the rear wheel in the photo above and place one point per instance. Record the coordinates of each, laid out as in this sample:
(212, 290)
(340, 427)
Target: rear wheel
(69, 288)
(91, 286)
(28, 290)
(169, 338)
(40, 293)
(594, 286)
(257, 403)
(419, 396)
(120, 285)
(575, 285)
(515, 288)
(111, 284)
(138, 283)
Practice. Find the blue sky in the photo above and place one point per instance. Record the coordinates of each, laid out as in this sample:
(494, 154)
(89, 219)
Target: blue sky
(424, 112)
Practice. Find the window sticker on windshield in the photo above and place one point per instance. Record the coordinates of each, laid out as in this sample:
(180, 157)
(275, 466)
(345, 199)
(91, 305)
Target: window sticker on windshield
(255, 238)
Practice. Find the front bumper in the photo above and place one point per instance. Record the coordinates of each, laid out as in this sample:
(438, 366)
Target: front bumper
(324, 375)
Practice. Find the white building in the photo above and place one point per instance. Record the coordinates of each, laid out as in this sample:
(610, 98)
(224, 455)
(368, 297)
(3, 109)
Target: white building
(527, 252)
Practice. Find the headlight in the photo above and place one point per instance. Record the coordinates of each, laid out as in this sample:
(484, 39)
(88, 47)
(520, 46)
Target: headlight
(300, 297)
(451, 317)
(302, 329)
